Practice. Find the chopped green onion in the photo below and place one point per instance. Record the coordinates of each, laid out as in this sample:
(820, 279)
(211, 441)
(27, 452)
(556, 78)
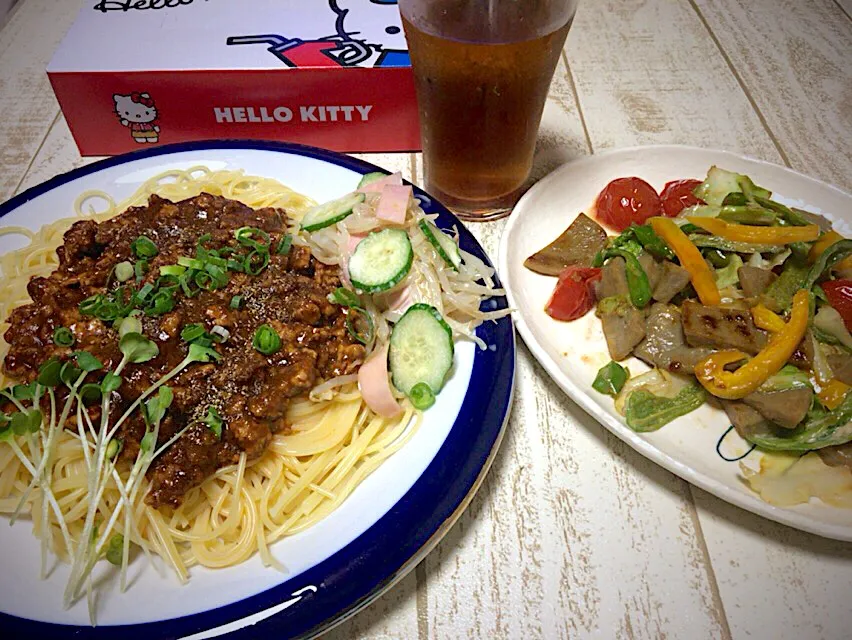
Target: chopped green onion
(233, 265)
(144, 292)
(285, 245)
(62, 337)
(364, 332)
(421, 396)
(123, 271)
(214, 421)
(48, 373)
(245, 236)
(90, 305)
(220, 334)
(266, 340)
(140, 269)
(344, 297)
(172, 270)
(204, 280)
(162, 302)
(190, 263)
(192, 332)
(255, 262)
(236, 301)
(142, 247)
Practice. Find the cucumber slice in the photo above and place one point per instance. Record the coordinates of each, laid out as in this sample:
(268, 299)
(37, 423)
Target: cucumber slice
(330, 213)
(421, 349)
(367, 178)
(444, 245)
(381, 260)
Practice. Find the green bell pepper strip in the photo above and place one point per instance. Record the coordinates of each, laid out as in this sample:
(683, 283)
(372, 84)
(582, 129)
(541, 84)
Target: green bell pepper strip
(646, 412)
(830, 257)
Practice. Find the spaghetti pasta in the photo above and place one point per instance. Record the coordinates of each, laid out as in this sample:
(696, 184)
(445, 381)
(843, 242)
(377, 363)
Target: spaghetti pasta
(335, 441)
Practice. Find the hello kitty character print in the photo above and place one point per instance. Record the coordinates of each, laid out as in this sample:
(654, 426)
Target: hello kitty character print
(138, 113)
(366, 34)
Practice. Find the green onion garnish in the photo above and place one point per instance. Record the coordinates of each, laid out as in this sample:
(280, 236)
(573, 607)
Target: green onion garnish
(144, 292)
(123, 271)
(266, 340)
(236, 301)
(190, 263)
(172, 270)
(421, 396)
(246, 237)
(62, 337)
(284, 245)
(344, 297)
(359, 324)
(255, 262)
(142, 247)
(140, 269)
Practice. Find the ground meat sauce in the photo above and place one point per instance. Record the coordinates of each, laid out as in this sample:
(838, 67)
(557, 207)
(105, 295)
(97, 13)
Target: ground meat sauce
(249, 390)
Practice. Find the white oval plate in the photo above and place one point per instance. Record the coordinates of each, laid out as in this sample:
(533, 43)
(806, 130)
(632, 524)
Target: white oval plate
(572, 352)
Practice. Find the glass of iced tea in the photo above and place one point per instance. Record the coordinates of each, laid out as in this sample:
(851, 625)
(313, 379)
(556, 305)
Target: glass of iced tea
(482, 70)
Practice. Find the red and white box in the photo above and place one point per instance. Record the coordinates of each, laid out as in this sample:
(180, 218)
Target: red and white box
(330, 73)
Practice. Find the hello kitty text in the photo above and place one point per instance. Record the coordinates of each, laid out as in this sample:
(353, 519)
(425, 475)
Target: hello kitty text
(322, 113)
(127, 5)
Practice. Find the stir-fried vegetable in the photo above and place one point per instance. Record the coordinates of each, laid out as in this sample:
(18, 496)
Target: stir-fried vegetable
(712, 374)
(610, 379)
(755, 234)
(645, 411)
(701, 276)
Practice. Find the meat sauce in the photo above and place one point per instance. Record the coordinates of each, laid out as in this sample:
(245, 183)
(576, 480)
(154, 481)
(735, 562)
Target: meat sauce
(249, 390)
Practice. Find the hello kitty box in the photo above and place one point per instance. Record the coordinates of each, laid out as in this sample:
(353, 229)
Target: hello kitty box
(330, 73)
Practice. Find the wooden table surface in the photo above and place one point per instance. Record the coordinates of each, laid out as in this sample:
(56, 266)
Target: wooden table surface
(573, 534)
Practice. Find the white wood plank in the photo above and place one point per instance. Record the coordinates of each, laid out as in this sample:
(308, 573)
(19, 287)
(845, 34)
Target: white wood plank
(394, 615)
(568, 537)
(795, 60)
(27, 43)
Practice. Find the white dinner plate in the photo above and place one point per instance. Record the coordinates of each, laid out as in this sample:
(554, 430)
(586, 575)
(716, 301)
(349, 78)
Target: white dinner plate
(337, 566)
(700, 447)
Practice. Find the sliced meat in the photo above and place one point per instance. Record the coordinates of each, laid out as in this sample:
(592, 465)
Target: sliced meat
(613, 280)
(673, 280)
(721, 327)
(577, 245)
(623, 326)
(841, 365)
(755, 280)
(746, 421)
(664, 345)
(651, 268)
(822, 222)
(785, 408)
(839, 456)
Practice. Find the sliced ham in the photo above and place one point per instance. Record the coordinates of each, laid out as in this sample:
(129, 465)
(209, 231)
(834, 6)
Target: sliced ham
(374, 382)
(400, 300)
(377, 185)
(354, 239)
(393, 203)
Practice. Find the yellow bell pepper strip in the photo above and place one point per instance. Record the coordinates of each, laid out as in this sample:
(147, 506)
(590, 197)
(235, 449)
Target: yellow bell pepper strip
(690, 259)
(824, 242)
(832, 394)
(767, 319)
(756, 235)
(733, 385)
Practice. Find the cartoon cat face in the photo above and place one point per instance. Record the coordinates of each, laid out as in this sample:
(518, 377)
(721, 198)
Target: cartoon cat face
(376, 22)
(142, 110)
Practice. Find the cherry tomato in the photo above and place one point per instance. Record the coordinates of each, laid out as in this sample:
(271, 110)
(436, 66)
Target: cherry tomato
(677, 196)
(625, 201)
(574, 295)
(839, 294)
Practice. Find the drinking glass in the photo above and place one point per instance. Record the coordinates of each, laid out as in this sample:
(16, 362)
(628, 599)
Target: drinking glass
(482, 69)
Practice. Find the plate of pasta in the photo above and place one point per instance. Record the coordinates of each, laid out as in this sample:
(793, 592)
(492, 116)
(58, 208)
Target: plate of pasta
(248, 385)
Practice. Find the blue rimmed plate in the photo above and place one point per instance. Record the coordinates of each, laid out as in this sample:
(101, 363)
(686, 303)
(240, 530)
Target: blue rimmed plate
(342, 563)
